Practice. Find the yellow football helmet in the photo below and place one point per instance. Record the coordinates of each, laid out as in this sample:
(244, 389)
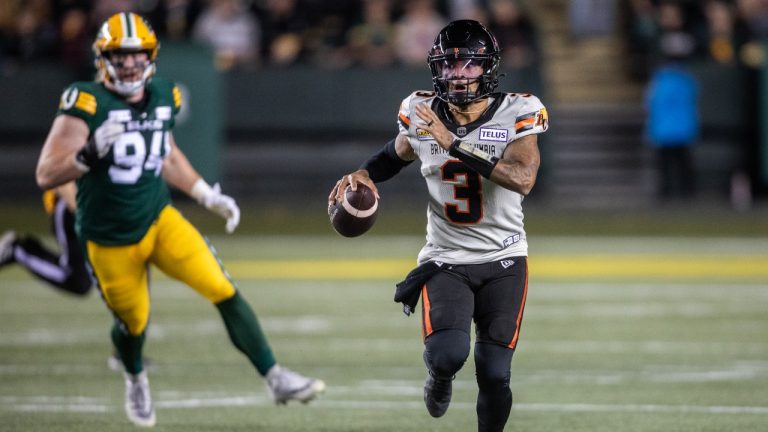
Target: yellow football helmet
(124, 32)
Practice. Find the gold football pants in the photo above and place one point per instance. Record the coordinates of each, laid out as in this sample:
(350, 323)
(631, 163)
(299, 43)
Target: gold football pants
(176, 248)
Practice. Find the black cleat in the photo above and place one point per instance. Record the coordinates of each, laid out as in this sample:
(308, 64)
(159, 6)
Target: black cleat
(437, 395)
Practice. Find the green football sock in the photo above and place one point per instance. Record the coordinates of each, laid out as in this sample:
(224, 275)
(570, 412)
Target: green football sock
(129, 348)
(245, 332)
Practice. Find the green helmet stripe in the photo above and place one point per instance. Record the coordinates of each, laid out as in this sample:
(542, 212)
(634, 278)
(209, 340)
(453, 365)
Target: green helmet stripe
(128, 25)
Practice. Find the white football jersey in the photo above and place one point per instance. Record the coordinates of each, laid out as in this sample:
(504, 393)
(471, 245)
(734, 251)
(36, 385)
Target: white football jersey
(470, 219)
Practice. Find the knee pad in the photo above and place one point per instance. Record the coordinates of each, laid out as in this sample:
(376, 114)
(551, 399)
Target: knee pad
(446, 351)
(493, 365)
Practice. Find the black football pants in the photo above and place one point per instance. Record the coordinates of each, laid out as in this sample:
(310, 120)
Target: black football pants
(493, 295)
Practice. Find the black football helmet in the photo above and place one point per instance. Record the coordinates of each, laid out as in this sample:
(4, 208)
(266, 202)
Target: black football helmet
(465, 40)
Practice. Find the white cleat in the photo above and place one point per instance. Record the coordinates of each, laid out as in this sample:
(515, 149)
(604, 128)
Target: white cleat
(284, 385)
(138, 401)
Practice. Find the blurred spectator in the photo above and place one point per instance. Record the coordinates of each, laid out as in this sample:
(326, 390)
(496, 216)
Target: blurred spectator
(467, 9)
(672, 125)
(591, 17)
(103, 9)
(639, 28)
(232, 31)
(755, 14)
(173, 19)
(32, 31)
(515, 32)
(75, 36)
(673, 35)
(722, 35)
(325, 41)
(8, 11)
(283, 26)
(416, 31)
(372, 42)
(752, 55)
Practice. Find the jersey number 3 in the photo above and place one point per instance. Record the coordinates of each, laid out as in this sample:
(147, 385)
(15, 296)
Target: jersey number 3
(467, 190)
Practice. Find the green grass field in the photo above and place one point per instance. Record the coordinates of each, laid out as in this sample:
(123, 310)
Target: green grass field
(620, 334)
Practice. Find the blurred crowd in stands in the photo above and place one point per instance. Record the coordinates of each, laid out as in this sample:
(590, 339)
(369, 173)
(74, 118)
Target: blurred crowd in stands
(252, 33)
(379, 33)
(665, 39)
(729, 32)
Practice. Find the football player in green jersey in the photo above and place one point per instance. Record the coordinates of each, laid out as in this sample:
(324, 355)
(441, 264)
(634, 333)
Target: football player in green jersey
(114, 136)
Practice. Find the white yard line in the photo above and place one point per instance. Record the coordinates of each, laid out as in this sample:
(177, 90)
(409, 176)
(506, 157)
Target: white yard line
(35, 404)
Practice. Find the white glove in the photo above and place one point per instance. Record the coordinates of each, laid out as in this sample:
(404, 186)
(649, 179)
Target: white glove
(223, 205)
(104, 136)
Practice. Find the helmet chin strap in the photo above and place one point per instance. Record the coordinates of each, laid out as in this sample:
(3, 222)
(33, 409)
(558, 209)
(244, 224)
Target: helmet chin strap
(455, 109)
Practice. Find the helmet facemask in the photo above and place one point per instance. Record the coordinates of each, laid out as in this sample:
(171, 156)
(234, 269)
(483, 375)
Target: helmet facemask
(461, 79)
(113, 65)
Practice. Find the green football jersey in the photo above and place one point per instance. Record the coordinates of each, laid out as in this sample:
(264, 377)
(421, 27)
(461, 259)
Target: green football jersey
(124, 192)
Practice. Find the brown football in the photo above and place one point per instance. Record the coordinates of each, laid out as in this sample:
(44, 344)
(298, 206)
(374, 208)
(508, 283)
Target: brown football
(356, 213)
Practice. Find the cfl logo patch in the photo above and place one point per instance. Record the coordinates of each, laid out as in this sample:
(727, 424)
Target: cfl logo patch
(509, 241)
(423, 135)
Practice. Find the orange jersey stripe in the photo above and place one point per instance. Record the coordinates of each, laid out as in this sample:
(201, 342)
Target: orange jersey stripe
(405, 119)
(522, 307)
(427, 306)
(526, 122)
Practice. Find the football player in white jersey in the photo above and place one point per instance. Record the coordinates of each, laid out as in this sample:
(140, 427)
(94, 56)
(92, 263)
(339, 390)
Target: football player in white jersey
(479, 155)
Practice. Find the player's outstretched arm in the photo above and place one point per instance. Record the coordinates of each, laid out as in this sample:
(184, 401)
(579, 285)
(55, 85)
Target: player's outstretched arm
(180, 174)
(57, 163)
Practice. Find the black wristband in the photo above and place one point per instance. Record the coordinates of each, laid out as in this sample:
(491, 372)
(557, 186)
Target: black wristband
(86, 156)
(384, 164)
(475, 158)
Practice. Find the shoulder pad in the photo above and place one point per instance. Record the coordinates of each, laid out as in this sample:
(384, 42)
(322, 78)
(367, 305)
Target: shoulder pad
(530, 114)
(78, 97)
(404, 116)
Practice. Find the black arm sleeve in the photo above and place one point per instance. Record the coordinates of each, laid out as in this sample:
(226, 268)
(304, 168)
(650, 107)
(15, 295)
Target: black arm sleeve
(385, 163)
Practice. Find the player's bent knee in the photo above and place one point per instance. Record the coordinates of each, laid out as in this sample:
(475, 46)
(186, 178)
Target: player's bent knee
(446, 351)
(493, 377)
(493, 363)
(221, 291)
(134, 323)
(136, 328)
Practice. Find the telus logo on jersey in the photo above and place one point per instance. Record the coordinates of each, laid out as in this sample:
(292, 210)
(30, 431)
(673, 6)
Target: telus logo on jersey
(491, 134)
